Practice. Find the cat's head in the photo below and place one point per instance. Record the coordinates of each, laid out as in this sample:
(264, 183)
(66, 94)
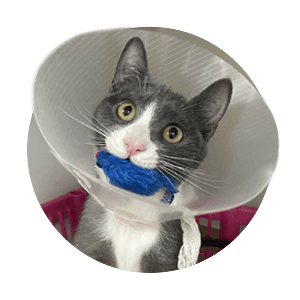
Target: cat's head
(153, 126)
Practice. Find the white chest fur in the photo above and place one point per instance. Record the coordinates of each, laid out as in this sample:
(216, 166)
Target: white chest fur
(130, 240)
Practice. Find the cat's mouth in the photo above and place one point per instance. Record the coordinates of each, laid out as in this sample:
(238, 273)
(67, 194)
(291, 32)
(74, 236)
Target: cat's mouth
(99, 165)
(124, 174)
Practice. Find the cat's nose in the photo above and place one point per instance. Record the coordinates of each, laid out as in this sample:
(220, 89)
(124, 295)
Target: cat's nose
(133, 146)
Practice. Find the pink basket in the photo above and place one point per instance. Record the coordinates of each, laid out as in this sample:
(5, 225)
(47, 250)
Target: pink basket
(67, 209)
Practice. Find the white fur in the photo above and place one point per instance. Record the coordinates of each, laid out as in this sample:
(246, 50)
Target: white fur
(140, 131)
(130, 239)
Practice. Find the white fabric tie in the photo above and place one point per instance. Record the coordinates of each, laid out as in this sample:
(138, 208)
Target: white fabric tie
(189, 252)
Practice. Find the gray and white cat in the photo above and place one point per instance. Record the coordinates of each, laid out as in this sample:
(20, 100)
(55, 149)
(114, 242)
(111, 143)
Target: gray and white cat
(154, 128)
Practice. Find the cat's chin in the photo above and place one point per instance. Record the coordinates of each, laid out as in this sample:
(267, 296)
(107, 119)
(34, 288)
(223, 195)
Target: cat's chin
(147, 159)
(143, 163)
(142, 159)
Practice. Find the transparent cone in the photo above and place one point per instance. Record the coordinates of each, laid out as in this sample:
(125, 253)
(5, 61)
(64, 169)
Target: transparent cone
(73, 79)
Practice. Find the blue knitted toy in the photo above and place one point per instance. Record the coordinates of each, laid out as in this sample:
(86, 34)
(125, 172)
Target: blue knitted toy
(123, 174)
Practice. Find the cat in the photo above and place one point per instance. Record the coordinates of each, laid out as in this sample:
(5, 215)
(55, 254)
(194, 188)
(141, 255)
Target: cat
(154, 128)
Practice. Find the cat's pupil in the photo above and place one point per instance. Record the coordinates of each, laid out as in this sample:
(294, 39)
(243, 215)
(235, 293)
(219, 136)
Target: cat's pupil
(127, 110)
(173, 132)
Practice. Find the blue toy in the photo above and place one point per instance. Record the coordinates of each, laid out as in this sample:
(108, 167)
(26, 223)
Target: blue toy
(124, 174)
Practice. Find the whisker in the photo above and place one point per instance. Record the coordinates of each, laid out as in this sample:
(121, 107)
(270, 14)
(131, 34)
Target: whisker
(190, 174)
(166, 177)
(203, 181)
(207, 177)
(185, 179)
(106, 131)
(196, 171)
(98, 121)
(163, 168)
(180, 158)
(84, 124)
(95, 144)
(175, 168)
(171, 161)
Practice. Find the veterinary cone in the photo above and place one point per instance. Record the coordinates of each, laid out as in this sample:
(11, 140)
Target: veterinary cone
(242, 154)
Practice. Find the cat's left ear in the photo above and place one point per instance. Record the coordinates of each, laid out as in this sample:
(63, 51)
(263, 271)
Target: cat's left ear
(132, 66)
(210, 106)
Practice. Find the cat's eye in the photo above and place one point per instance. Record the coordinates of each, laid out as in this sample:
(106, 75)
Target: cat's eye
(172, 134)
(126, 111)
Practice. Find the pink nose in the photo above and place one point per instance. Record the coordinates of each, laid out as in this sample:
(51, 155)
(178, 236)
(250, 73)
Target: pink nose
(133, 146)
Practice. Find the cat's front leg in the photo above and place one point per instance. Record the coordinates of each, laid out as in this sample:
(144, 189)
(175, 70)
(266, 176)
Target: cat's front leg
(89, 234)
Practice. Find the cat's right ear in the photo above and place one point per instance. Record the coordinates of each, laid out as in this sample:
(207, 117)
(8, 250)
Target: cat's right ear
(132, 66)
(209, 107)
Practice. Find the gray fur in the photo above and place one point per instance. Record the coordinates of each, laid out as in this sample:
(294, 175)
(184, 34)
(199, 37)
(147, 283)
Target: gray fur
(88, 238)
(161, 258)
(198, 120)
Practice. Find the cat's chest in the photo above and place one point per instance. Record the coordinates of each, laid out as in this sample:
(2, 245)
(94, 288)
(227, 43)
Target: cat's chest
(130, 240)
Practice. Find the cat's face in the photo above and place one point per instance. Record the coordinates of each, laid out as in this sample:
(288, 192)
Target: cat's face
(153, 126)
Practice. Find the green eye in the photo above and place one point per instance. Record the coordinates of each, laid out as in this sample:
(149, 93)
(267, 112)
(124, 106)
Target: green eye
(126, 111)
(172, 134)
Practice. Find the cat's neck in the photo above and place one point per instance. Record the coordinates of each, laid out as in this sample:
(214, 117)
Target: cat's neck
(130, 238)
